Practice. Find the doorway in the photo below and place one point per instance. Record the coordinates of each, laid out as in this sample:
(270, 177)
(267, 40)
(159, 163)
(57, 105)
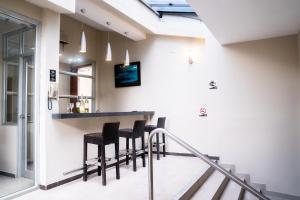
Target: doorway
(17, 135)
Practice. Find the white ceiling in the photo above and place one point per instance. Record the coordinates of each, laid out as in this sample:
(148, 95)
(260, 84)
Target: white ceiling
(232, 21)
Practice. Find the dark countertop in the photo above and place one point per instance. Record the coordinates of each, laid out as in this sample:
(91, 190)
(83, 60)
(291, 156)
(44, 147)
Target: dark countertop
(99, 114)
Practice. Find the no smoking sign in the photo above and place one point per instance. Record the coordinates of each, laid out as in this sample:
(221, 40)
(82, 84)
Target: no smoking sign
(203, 112)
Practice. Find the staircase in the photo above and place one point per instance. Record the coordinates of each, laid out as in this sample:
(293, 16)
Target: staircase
(217, 182)
(215, 186)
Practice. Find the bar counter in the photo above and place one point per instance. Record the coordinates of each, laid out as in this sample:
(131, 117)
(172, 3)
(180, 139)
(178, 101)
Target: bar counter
(100, 114)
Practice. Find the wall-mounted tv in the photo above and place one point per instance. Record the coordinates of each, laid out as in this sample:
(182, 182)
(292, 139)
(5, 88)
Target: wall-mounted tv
(128, 75)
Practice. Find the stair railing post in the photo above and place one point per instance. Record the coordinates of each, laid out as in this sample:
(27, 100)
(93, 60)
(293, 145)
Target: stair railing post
(150, 165)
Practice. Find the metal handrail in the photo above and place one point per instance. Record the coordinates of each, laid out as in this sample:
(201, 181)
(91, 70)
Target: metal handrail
(197, 154)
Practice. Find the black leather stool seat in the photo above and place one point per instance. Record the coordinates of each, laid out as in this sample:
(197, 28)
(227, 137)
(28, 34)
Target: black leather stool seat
(126, 132)
(94, 138)
(149, 128)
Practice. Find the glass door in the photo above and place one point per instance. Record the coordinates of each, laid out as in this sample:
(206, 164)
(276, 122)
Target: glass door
(19, 93)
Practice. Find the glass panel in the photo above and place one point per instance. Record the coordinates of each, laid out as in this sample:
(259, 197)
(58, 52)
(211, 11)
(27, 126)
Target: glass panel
(86, 71)
(74, 85)
(12, 108)
(30, 117)
(171, 6)
(29, 42)
(85, 86)
(13, 45)
(30, 149)
(64, 89)
(30, 74)
(12, 80)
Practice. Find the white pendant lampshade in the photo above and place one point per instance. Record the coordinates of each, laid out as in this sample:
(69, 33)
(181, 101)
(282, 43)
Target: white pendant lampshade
(108, 52)
(83, 43)
(126, 62)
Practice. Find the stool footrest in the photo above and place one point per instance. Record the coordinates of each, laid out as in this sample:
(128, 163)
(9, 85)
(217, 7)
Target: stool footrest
(124, 152)
(154, 144)
(94, 160)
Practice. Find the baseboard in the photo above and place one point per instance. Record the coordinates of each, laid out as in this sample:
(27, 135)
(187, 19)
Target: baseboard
(281, 195)
(7, 174)
(191, 155)
(73, 178)
(187, 155)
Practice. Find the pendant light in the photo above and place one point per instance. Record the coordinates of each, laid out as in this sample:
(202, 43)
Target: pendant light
(108, 50)
(127, 60)
(83, 38)
(83, 43)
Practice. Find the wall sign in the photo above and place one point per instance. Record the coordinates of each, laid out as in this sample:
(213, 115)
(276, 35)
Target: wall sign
(203, 112)
(52, 75)
(213, 85)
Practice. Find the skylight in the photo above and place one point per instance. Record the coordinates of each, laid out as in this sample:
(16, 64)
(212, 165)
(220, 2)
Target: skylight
(177, 7)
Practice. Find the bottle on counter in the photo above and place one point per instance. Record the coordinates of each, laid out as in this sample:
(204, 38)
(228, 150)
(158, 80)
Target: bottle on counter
(78, 105)
(86, 105)
(82, 107)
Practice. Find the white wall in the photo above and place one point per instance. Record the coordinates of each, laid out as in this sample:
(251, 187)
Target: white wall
(251, 117)
(8, 133)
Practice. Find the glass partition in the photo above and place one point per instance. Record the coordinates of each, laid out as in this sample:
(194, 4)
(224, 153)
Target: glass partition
(78, 82)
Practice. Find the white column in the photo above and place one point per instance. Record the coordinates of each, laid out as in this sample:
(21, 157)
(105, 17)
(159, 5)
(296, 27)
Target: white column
(50, 32)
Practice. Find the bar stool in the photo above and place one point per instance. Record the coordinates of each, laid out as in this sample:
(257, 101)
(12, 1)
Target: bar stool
(109, 135)
(160, 124)
(136, 132)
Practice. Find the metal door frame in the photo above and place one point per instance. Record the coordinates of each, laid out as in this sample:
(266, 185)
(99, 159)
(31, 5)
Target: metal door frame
(37, 61)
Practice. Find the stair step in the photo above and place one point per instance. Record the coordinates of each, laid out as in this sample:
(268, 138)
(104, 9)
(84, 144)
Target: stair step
(221, 189)
(196, 185)
(244, 177)
(242, 194)
(209, 188)
(249, 196)
(231, 192)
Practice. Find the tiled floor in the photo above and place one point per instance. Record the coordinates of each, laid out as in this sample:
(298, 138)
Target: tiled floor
(172, 173)
(10, 185)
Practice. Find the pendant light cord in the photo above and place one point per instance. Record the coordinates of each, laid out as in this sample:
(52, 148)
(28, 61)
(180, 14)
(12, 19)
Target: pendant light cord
(108, 24)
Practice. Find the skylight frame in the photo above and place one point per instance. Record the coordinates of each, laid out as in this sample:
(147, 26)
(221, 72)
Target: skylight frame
(167, 7)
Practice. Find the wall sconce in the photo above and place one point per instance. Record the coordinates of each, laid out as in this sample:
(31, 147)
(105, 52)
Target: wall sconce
(191, 60)
(191, 56)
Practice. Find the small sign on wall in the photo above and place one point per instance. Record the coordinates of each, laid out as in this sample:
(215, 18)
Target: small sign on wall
(203, 112)
(52, 75)
(213, 85)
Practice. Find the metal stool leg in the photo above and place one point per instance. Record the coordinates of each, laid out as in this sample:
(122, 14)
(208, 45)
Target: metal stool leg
(84, 161)
(103, 167)
(99, 155)
(134, 154)
(118, 162)
(164, 147)
(157, 146)
(127, 151)
(143, 148)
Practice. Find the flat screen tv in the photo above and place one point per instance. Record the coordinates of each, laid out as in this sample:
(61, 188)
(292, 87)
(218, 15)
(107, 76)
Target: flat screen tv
(128, 75)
